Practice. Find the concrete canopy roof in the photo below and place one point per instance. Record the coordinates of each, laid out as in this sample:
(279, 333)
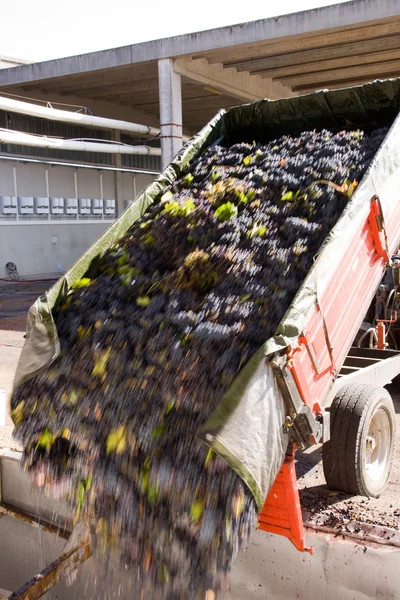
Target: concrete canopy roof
(330, 47)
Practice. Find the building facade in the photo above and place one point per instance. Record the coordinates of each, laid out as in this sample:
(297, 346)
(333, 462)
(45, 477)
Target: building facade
(54, 204)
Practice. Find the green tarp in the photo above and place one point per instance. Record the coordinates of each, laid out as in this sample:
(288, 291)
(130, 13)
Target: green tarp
(247, 427)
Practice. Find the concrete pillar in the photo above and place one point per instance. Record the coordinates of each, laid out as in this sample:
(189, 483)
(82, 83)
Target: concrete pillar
(170, 93)
(116, 137)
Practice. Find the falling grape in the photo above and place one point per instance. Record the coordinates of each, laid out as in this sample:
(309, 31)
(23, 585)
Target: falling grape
(151, 343)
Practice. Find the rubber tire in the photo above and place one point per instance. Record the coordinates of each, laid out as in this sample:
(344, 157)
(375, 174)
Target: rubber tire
(343, 457)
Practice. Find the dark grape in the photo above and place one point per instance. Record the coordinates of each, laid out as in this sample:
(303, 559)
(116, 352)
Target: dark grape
(150, 345)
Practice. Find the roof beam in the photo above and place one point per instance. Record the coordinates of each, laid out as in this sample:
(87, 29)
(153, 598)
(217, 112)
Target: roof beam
(320, 38)
(335, 63)
(80, 81)
(211, 104)
(214, 102)
(242, 86)
(148, 96)
(339, 15)
(305, 56)
(115, 89)
(377, 70)
(190, 91)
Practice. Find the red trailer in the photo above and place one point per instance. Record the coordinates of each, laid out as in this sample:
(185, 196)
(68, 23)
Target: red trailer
(334, 390)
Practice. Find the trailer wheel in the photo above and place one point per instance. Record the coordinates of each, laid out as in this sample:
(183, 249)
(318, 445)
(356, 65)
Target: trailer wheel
(358, 457)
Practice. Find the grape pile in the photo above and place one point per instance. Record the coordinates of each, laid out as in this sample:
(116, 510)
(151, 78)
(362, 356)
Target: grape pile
(150, 344)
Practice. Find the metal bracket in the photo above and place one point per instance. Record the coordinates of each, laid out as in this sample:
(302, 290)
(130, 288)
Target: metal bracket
(311, 352)
(304, 428)
(377, 225)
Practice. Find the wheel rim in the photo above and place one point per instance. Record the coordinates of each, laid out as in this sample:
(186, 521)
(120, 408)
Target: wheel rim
(378, 444)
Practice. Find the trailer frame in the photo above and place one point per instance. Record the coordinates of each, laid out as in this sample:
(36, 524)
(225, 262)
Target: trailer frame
(302, 379)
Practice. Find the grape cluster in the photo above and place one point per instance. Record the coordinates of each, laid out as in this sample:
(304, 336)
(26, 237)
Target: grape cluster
(153, 339)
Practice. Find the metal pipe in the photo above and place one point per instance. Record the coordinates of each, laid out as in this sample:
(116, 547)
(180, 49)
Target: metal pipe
(371, 330)
(76, 184)
(26, 139)
(46, 174)
(71, 164)
(101, 185)
(65, 116)
(15, 181)
(16, 188)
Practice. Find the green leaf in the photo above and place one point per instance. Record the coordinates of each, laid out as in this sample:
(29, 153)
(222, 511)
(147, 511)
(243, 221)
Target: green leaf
(46, 440)
(116, 441)
(188, 178)
(144, 479)
(122, 260)
(257, 231)
(189, 206)
(226, 211)
(17, 414)
(73, 397)
(124, 269)
(177, 210)
(172, 208)
(143, 301)
(100, 364)
(196, 511)
(209, 457)
(245, 297)
(81, 494)
(243, 198)
(170, 406)
(145, 224)
(157, 432)
(248, 160)
(80, 283)
(289, 196)
(149, 240)
(153, 494)
(128, 273)
(163, 574)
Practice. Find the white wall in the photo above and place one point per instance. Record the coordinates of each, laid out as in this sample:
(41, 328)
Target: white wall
(38, 247)
(31, 181)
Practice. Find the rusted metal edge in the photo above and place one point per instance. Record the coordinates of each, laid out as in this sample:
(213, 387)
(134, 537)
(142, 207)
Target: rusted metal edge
(34, 521)
(76, 551)
(360, 532)
(58, 570)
